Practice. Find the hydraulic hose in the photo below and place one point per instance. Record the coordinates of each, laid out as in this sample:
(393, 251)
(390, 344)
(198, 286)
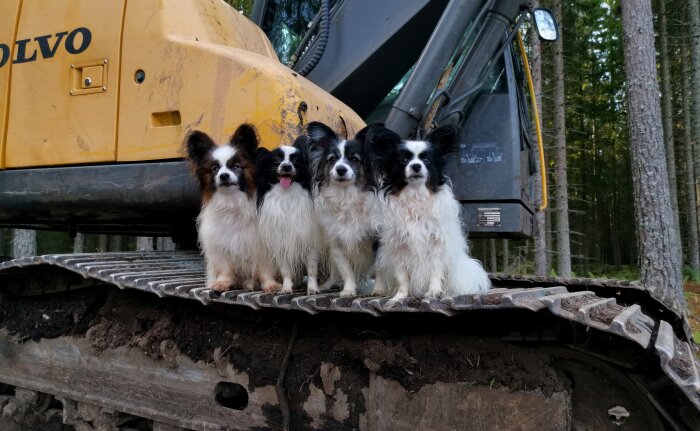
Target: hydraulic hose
(322, 39)
(536, 114)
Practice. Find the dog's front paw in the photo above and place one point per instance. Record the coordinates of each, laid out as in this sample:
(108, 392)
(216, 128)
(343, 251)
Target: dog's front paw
(433, 294)
(312, 287)
(287, 287)
(221, 285)
(271, 286)
(249, 284)
(394, 301)
(348, 290)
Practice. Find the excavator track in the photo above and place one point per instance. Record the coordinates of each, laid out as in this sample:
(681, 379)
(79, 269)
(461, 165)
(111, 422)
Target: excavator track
(619, 309)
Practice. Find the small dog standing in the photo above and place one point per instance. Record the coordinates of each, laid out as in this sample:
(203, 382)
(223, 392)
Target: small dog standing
(227, 223)
(289, 232)
(422, 251)
(344, 198)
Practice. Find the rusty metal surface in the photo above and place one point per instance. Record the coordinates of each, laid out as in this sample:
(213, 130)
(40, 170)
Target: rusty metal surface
(182, 274)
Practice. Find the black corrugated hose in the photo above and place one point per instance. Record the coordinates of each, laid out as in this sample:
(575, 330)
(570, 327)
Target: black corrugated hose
(322, 39)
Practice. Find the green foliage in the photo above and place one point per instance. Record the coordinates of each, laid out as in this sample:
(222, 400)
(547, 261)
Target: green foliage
(245, 6)
(690, 275)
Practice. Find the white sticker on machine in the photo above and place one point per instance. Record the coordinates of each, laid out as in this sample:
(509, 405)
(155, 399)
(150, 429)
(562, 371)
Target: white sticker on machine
(488, 217)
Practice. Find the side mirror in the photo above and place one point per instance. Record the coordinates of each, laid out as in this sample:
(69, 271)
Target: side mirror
(546, 24)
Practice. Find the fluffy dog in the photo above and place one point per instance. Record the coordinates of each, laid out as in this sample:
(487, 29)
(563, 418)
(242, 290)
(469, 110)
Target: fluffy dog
(289, 232)
(227, 223)
(344, 199)
(422, 250)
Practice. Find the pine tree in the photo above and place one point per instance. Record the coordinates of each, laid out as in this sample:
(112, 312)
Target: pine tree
(562, 197)
(659, 248)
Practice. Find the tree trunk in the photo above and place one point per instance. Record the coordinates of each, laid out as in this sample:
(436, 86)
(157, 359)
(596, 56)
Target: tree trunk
(23, 243)
(79, 243)
(562, 198)
(115, 243)
(668, 115)
(694, 41)
(506, 257)
(540, 222)
(659, 249)
(691, 197)
(549, 239)
(102, 243)
(144, 243)
(165, 244)
(492, 257)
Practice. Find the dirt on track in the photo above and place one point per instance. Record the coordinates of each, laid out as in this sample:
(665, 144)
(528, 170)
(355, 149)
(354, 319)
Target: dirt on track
(412, 354)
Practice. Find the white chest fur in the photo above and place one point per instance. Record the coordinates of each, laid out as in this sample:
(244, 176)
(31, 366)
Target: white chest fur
(288, 226)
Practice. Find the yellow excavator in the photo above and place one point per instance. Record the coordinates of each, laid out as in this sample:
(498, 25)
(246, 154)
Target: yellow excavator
(95, 99)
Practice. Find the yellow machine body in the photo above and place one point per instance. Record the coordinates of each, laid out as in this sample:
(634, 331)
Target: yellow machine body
(108, 81)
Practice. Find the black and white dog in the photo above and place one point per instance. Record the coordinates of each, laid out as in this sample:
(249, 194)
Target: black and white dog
(289, 231)
(345, 202)
(423, 251)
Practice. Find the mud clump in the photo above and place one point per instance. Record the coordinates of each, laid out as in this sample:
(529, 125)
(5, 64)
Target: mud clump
(51, 315)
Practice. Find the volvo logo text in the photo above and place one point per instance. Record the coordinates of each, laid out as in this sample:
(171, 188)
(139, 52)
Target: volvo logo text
(27, 50)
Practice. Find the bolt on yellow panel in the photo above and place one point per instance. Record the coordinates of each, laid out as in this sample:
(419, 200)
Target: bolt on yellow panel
(47, 125)
(216, 70)
(8, 17)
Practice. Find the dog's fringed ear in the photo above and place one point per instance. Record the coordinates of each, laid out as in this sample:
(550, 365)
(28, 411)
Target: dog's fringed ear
(362, 134)
(382, 142)
(197, 146)
(320, 135)
(445, 137)
(261, 152)
(245, 138)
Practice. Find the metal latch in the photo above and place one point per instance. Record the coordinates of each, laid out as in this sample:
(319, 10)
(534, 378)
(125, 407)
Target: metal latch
(88, 77)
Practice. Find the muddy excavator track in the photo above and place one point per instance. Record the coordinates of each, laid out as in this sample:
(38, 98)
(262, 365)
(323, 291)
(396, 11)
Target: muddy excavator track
(616, 312)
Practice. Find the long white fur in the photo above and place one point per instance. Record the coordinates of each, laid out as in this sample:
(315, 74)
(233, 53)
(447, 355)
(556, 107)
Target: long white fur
(347, 216)
(423, 251)
(290, 235)
(228, 235)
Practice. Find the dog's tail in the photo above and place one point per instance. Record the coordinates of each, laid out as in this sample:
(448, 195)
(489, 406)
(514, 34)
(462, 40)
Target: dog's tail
(467, 277)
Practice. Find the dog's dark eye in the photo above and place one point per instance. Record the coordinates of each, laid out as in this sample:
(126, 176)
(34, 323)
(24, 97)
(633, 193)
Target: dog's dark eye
(332, 159)
(278, 160)
(294, 158)
(355, 159)
(215, 167)
(404, 159)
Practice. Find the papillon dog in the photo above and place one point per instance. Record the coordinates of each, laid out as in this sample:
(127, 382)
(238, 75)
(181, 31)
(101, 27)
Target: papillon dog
(344, 199)
(422, 248)
(227, 223)
(289, 232)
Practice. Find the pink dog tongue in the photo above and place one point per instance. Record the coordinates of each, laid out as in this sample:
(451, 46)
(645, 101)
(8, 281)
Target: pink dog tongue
(286, 182)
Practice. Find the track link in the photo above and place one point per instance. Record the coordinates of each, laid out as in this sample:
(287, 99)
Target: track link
(182, 275)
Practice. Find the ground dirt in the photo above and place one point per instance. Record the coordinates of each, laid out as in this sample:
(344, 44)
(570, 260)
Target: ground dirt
(692, 294)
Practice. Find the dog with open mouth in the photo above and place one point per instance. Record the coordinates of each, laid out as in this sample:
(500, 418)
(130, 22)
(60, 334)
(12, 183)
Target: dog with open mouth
(289, 231)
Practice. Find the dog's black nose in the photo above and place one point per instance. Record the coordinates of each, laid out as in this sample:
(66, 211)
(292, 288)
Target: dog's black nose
(286, 167)
(415, 167)
(224, 176)
(341, 170)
